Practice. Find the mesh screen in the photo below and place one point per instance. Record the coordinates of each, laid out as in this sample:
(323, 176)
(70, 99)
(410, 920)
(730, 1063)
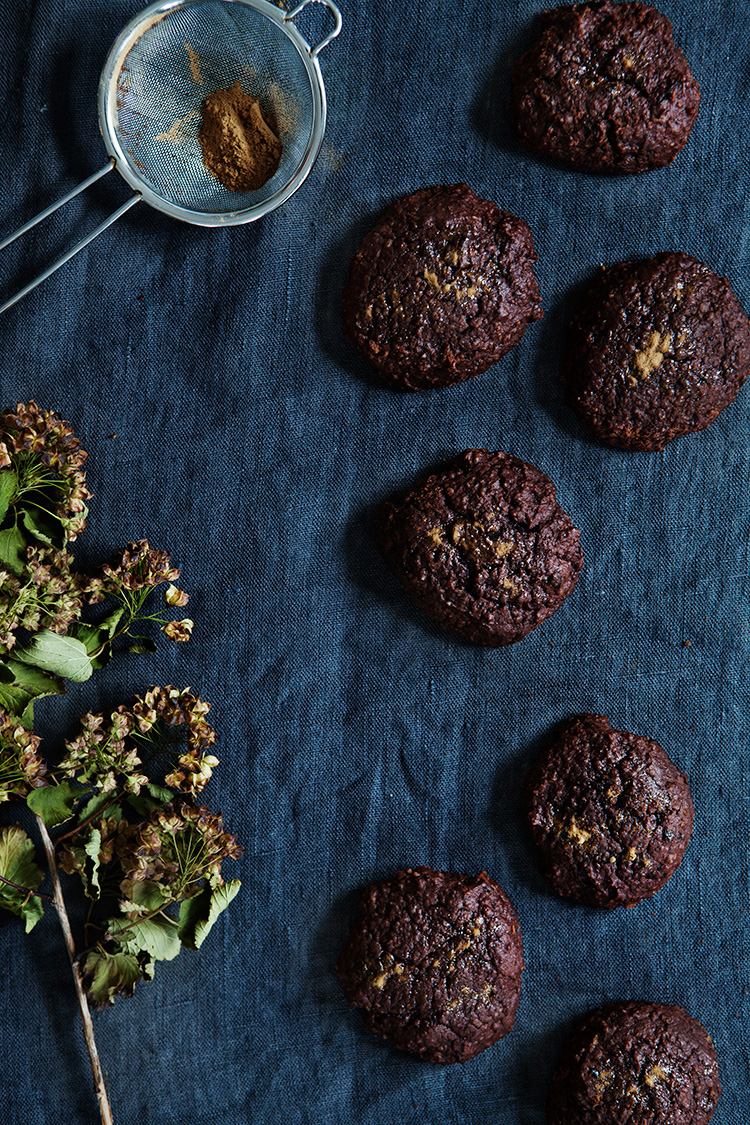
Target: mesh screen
(175, 64)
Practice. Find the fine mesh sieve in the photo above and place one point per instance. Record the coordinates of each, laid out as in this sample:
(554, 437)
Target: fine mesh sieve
(160, 70)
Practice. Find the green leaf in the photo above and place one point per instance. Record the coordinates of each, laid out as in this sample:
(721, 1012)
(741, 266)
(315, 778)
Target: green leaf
(197, 915)
(53, 803)
(18, 863)
(193, 911)
(8, 486)
(143, 896)
(6, 674)
(31, 912)
(13, 551)
(86, 857)
(80, 866)
(220, 900)
(96, 639)
(99, 802)
(106, 975)
(103, 657)
(63, 656)
(43, 526)
(154, 797)
(17, 857)
(155, 936)
(92, 847)
(29, 683)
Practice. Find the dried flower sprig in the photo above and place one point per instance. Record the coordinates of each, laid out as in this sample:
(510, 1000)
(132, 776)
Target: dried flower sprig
(165, 725)
(135, 568)
(148, 857)
(178, 848)
(131, 576)
(175, 723)
(49, 595)
(21, 768)
(100, 757)
(46, 458)
(43, 497)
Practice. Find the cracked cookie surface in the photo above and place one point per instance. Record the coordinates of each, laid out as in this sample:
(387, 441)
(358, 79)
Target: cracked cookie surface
(637, 1063)
(483, 548)
(605, 89)
(441, 288)
(657, 349)
(610, 813)
(434, 962)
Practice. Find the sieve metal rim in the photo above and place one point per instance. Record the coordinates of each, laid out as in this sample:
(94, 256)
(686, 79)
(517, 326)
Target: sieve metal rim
(124, 162)
(107, 114)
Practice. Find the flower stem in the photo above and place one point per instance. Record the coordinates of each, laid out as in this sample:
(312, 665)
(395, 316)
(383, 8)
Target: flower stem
(78, 827)
(88, 1027)
(26, 890)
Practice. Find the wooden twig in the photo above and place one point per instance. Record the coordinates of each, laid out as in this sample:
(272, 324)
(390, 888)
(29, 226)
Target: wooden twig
(83, 1006)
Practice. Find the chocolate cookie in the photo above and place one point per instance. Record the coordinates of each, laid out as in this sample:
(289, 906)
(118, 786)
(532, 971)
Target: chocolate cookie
(636, 1064)
(605, 89)
(610, 813)
(483, 547)
(657, 349)
(434, 963)
(441, 288)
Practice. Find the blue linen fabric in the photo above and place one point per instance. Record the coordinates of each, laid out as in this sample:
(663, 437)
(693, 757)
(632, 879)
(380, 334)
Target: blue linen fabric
(226, 419)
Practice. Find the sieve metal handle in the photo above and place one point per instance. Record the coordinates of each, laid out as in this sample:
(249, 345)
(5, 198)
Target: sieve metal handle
(79, 245)
(315, 51)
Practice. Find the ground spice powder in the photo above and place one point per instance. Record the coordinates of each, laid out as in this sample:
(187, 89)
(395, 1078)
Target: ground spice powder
(238, 145)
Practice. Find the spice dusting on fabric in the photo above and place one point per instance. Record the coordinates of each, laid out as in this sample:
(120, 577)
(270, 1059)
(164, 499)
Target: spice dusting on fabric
(238, 145)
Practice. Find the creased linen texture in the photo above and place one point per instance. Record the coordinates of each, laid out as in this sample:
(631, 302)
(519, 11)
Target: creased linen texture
(226, 419)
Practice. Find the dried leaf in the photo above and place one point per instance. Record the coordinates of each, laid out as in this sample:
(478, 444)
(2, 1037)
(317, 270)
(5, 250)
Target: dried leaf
(28, 684)
(197, 915)
(18, 863)
(106, 975)
(8, 485)
(155, 936)
(54, 803)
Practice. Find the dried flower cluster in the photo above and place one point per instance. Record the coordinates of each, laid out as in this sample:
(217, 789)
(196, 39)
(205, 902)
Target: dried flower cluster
(49, 595)
(165, 724)
(177, 719)
(21, 768)
(147, 856)
(102, 755)
(135, 567)
(132, 574)
(43, 498)
(43, 598)
(177, 848)
(46, 456)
